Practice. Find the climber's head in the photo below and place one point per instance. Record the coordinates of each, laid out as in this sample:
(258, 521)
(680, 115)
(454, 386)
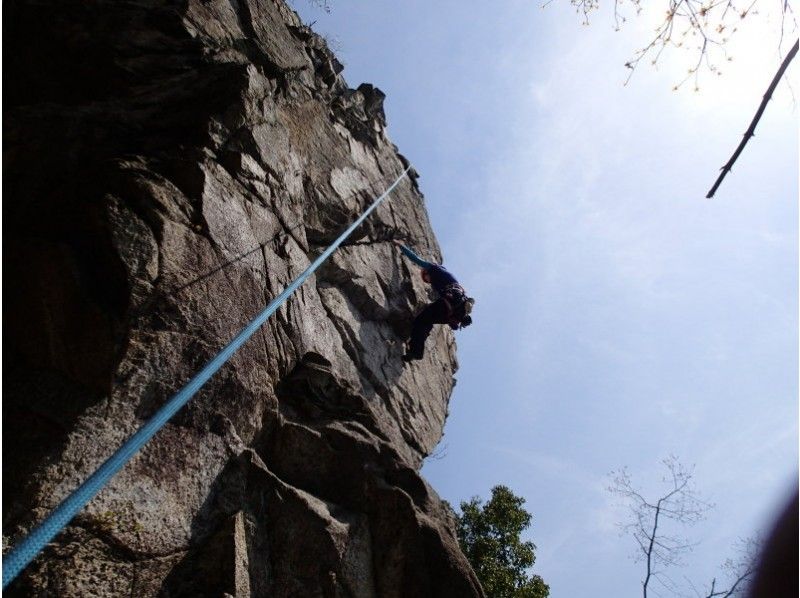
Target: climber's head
(466, 321)
(426, 276)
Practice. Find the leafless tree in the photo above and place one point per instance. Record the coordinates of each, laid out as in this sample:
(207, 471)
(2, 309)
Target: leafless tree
(737, 573)
(704, 28)
(701, 27)
(653, 522)
(657, 524)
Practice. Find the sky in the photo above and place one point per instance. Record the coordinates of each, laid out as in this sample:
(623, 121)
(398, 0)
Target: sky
(621, 317)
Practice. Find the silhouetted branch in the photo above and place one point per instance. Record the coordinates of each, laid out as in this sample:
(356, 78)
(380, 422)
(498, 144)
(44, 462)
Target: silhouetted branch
(438, 454)
(679, 503)
(740, 572)
(751, 129)
(701, 26)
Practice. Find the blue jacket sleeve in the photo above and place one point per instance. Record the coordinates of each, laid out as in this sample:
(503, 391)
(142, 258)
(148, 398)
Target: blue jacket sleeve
(415, 258)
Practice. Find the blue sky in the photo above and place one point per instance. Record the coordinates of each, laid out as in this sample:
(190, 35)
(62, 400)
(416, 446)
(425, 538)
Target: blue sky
(621, 317)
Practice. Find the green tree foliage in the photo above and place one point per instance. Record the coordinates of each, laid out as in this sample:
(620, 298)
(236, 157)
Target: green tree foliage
(489, 536)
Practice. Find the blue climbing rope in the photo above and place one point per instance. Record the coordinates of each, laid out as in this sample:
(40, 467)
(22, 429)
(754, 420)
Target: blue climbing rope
(28, 548)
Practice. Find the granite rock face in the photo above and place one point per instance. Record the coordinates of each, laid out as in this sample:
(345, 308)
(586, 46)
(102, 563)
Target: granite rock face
(169, 167)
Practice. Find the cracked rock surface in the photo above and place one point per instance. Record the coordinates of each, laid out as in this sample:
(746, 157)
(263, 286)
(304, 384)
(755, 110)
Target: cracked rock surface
(169, 168)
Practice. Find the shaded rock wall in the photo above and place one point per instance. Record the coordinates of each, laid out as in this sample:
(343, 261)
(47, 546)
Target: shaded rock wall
(169, 167)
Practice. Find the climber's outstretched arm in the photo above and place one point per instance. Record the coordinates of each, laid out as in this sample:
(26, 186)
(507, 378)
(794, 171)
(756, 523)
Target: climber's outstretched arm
(413, 256)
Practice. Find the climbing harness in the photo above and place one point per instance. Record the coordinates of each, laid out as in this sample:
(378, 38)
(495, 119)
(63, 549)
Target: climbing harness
(459, 306)
(32, 544)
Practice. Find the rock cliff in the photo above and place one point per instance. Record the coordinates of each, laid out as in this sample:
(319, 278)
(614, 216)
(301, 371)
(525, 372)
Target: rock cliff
(169, 167)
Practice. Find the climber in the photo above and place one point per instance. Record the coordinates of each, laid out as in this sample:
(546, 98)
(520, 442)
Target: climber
(452, 307)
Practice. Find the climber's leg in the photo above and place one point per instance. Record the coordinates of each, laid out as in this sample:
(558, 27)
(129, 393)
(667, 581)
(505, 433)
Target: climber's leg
(435, 313)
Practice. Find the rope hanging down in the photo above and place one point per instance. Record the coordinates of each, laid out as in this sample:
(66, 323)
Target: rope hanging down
(29, 547)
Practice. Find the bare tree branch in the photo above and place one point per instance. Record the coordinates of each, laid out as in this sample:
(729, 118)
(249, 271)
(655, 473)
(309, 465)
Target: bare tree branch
(678, 504)
(701, 26)
(652, 523)
(751, 129)
(741, 572)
